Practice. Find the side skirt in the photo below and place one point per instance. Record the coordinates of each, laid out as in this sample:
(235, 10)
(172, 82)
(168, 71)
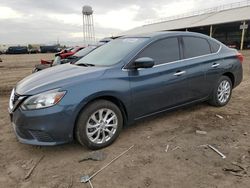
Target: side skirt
(172, 108)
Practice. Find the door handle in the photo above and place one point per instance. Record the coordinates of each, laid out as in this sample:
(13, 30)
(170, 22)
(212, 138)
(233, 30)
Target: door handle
(178, 73)
(215, 65)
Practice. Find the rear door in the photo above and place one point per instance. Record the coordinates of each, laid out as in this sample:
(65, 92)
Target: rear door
(164, 85)
(198, 58)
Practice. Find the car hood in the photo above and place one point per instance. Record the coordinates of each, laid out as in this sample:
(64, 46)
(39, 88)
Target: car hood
(57, 77)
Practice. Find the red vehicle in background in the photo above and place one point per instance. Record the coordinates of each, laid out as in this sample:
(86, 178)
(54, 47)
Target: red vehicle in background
(64, 54)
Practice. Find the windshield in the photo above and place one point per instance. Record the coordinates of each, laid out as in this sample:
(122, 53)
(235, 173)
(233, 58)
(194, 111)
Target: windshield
(112, 52)
(85, 51)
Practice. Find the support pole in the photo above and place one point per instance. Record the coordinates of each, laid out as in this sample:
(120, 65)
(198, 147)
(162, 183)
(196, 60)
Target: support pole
(211, 31)
(242, 35)
(93, 28)
(84, 29)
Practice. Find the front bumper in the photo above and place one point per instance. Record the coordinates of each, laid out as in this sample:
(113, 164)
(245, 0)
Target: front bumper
(26, 137)
(46, 127)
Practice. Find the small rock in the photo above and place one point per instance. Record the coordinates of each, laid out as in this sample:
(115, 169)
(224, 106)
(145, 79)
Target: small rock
(201, 132)
(147, 181)
(245, 133)
(243, 157)
(166, 150)
(27, 164)
(215, 175)
(24, 166)
(95, 156)
(219, 116)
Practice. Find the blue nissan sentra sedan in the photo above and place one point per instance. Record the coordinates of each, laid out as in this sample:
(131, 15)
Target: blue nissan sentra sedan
(130, 78)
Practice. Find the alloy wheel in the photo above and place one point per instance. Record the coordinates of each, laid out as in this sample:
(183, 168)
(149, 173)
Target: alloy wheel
(224, 91)
(101, 126)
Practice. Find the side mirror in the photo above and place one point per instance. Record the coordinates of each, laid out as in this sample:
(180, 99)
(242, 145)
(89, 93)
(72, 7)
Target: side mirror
(143, 62)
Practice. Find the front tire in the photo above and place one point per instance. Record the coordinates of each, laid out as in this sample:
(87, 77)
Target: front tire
(222, 92)
(99, 124)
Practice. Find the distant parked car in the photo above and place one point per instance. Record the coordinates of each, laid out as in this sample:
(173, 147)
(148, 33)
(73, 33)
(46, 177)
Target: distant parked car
(71, 52)
(128, 79)
(33, 51)
(71, 59)
(234, 45)
(64, 50)
(63, 54)
(17, 50)
(49, 49)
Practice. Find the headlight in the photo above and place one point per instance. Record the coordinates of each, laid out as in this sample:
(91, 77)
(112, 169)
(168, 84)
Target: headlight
(11, 99)
(43, 100)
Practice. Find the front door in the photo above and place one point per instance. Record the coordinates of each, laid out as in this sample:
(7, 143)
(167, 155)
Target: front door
(164, 85)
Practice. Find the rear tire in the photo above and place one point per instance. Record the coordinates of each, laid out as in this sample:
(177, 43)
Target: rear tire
(222, 92)
(99, 124)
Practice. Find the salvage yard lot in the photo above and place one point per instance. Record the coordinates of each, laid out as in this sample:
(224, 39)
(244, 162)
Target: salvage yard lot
(187, 162)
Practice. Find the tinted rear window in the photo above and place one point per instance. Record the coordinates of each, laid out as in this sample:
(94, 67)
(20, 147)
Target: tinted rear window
(214, 46)
(162, 51)
(195, 46)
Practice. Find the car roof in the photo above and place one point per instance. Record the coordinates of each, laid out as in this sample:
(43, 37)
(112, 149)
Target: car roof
(162, 34)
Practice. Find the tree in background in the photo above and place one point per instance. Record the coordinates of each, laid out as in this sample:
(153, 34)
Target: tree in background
(30, 46)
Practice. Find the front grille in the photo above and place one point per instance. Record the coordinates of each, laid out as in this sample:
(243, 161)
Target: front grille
(15, 99)
(33, 135)
(41, 136)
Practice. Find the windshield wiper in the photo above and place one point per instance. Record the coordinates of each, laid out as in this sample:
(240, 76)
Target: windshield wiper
(85, 64)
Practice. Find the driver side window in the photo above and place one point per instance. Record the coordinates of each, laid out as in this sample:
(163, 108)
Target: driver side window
(162, 51)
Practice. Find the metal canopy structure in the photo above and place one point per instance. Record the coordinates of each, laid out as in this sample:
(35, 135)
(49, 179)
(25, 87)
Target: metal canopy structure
(226, 14)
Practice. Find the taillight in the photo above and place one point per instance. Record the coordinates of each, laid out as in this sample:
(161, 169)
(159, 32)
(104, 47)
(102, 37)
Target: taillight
(240, 57)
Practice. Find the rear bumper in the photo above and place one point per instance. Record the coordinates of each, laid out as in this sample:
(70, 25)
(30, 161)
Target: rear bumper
(238, 77)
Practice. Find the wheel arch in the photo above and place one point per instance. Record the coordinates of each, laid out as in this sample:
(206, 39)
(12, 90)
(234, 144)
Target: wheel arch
(231, 76)
(110, 98)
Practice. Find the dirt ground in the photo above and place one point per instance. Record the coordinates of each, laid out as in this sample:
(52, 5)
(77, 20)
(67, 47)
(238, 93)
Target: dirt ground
(187, 162)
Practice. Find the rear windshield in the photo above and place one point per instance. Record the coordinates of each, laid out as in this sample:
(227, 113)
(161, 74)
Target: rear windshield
(112, 52)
